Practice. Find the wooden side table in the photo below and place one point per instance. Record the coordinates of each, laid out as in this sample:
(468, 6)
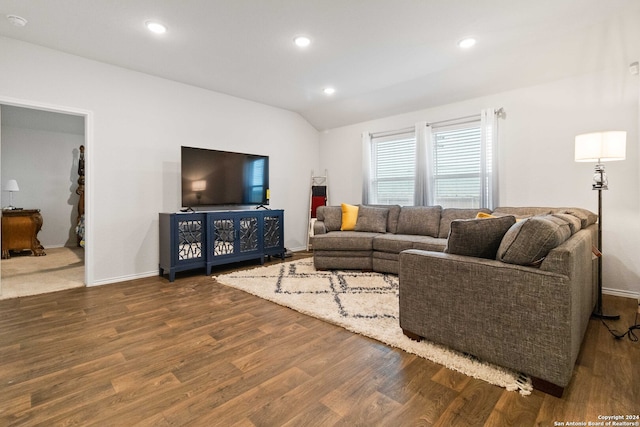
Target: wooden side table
(20, 229)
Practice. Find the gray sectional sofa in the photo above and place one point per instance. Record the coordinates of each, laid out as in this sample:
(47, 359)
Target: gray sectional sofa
(516, 289)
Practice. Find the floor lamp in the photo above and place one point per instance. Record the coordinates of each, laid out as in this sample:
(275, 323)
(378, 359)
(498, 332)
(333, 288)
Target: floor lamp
(600, 147)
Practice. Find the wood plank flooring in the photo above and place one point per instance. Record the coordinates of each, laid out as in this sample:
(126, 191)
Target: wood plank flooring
(152, 353)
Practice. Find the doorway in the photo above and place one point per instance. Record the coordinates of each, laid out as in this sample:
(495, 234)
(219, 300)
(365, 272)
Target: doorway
(40, 149)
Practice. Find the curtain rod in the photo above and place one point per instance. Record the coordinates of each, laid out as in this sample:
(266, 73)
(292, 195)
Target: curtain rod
(457, 119)
(392, 132)
(499, 112)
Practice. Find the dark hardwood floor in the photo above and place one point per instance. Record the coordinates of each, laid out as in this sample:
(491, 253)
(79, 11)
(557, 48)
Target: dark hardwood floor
(194, 352)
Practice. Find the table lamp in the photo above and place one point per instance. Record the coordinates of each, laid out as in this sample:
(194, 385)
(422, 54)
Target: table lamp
(11, 186)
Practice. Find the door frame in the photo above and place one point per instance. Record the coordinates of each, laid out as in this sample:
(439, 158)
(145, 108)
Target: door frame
(89, 277)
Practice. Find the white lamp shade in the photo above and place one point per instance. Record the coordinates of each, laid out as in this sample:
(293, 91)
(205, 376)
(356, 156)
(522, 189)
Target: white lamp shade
(199, 185)
(12, 185)
(601, 146)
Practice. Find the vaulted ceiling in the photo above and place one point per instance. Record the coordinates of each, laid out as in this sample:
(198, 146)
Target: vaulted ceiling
(383, 57)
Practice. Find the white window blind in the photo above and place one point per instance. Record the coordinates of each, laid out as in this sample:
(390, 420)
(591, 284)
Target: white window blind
(392, 170)
(458, 161)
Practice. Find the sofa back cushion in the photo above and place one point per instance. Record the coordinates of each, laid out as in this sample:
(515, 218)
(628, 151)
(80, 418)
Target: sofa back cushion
(522, 211)
(372, 219)
(479, 238)
(529, 241)
(450, 214)
(419, 220)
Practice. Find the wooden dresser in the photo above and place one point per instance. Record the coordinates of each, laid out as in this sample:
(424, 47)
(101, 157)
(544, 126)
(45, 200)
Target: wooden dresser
(20, 231)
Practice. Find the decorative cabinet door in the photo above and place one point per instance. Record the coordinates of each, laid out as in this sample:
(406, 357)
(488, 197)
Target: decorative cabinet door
(190, 239)
(249, 237)
(182, 242)
(274, 232)
(234, 235)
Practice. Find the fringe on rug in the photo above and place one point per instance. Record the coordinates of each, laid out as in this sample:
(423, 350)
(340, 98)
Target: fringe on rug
(524, 385)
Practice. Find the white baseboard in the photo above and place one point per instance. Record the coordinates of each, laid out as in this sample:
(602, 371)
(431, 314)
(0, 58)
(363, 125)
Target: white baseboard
(298, 249)
(621, 293)
(124, 278)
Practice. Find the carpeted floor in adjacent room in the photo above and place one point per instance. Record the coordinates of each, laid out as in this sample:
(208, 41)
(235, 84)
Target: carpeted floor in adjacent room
(24, 274)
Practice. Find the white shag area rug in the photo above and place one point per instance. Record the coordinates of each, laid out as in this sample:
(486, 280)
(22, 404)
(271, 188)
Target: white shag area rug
(364, 303)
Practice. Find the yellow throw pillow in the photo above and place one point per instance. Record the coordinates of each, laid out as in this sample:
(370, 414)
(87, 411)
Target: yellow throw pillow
(481, 215)
(349, 217)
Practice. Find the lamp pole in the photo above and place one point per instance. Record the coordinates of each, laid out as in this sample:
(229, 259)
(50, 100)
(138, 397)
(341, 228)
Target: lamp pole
(600, 185)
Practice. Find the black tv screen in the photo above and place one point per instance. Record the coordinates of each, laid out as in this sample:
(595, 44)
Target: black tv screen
(217, 178)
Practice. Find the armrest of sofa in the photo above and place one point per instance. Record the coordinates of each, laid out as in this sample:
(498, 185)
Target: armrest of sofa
(319, 227)
(522, 318)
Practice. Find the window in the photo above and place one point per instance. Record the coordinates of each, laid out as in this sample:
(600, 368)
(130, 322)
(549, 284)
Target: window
(450, 163)
(392, 173)
(458, 167)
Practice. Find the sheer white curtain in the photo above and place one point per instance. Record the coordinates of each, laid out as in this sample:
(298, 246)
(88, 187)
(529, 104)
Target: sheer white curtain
(489, 164)
(366, 167)
(423, 190)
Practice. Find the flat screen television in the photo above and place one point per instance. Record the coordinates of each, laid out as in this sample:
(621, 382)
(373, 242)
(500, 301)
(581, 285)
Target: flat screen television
(223, 178)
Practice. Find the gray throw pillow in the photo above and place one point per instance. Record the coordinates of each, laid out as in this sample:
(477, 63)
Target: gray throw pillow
(331, 216)
(451, 214)
(478, 237)
(575, 223)
(392, 219)
(372, 219)
(586, 217)
(530, 240)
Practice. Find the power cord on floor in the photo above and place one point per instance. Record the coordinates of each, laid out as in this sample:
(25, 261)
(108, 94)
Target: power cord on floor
(632, 336)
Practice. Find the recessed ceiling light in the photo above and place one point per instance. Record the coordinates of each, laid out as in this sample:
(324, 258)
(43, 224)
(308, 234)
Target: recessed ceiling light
(302, 41)
(16, 20)
(329, 91)
(466, 43)
(156, 27)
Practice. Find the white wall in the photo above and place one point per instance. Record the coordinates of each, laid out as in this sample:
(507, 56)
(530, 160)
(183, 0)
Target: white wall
(536, 156)
(45, 165)
(139, 124)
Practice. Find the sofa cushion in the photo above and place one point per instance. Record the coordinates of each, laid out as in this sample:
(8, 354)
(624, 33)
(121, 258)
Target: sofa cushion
(344, 241)
(529, 241)
(450, 214)
(331, 216)
(478, 237)
(393, 243)
(419, 220)
(372, 219)
(428, 243)
(349, 217)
